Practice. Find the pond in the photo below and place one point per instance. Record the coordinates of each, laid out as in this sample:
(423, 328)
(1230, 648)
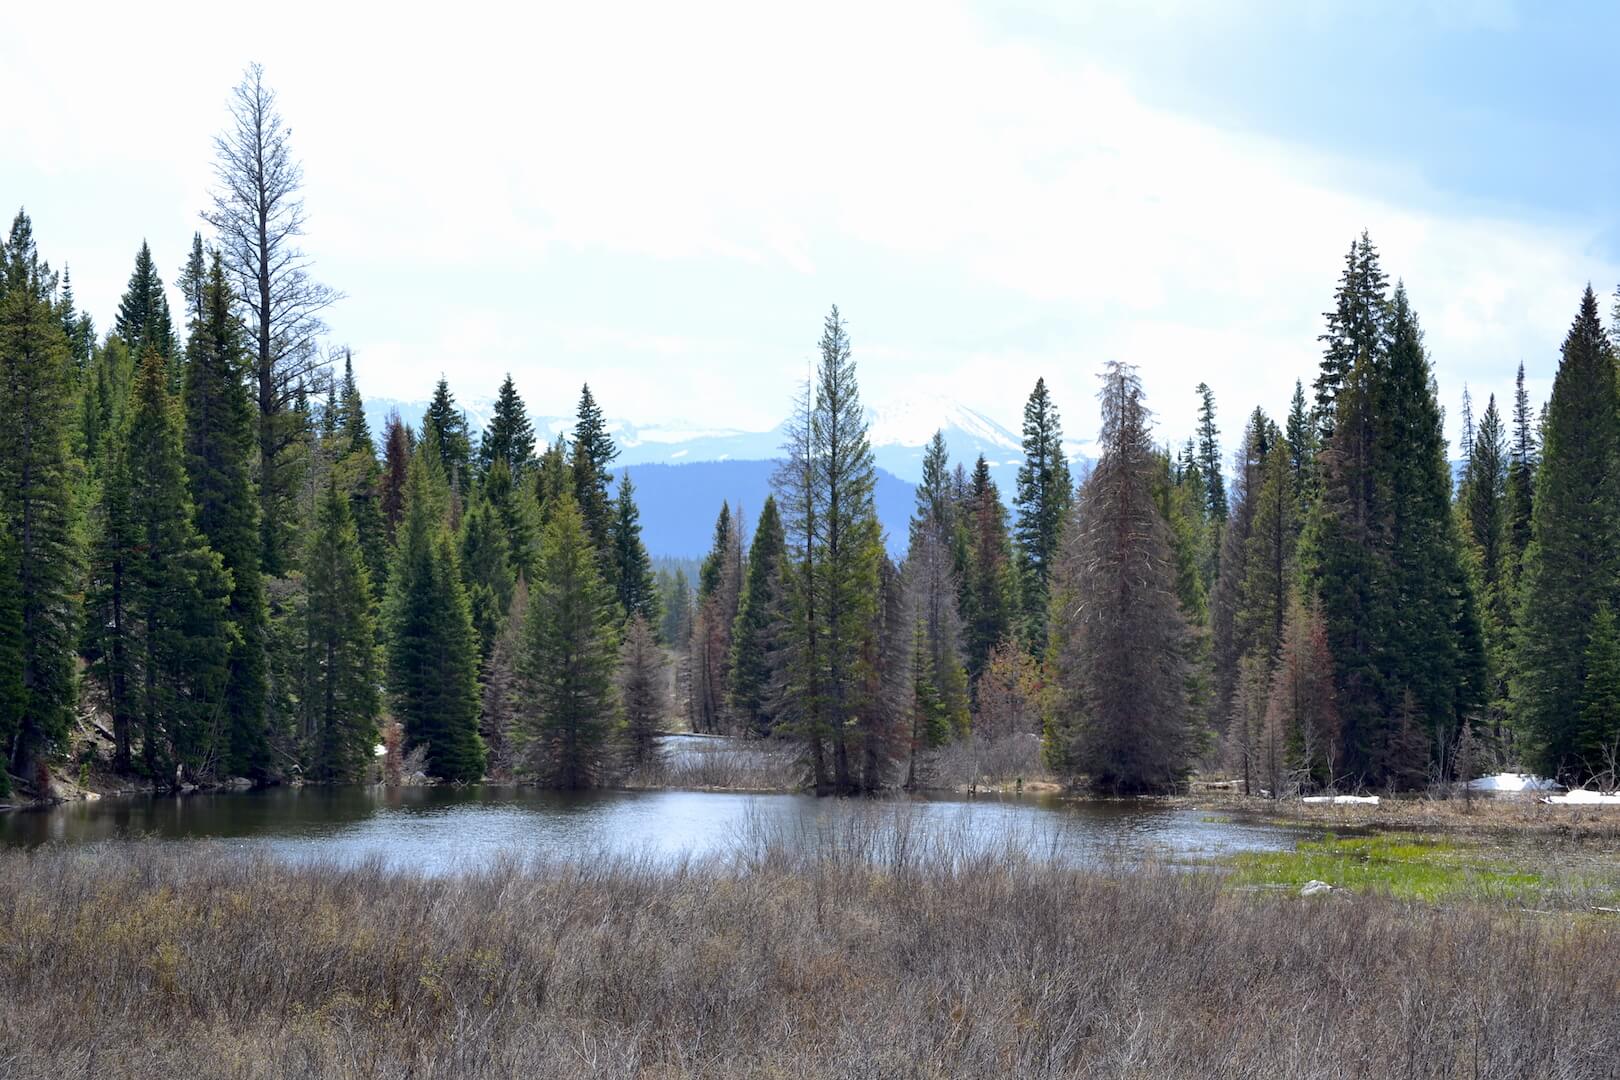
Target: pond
(441, 829)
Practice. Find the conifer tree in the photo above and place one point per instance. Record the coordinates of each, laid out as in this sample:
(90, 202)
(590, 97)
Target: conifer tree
(935, 592)
(1523, 462)
(192, 281)
(360, 476)
(1597, 739)
(1572, 566)
(37, 481)
(77, 327)
(341, 656)
(1209, 456)
(1232, 637)
(642, 690)
(396, 466)
(1483, 502)
(432, 644)
(1302, 704)
(444, 427)
(516, 511)
(1042, 501)
(504, 694)
(720, 583)
(571, 657)
(1302, 448)
(509, 436)
(1355, 328)
(13, 702)
(987, 577)
(592, 454)
(143, 319)
(632, 569)
(486, 572)
(219, 445)
(1269, 569)
(552, 477)
(181, 634)
(676, 628)
(1120, 637)
(756, 637)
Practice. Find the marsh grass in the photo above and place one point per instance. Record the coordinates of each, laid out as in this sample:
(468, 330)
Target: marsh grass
(863, 948)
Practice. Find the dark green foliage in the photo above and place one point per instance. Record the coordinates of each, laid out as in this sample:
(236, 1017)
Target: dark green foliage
(985, 570)
(571, 657)
(1483, 501)
(676, 602)
(1524, 460)
(181, 637)
(1042, 501)
(340, 683)
(1572, 567)
(37, 481)
(77, 327)
(509, 438)
(1597, 738)
(632, 574)
(219, 460)
(592, 453)
(192, 281)
(143, 319)
(714, 563)
(1355, 328)
(515, 509)
(757, 637)
(642, 690)
(444, 433)
(485, 570)
(432, 645)
(12, 700)
(1302, 447)
(552, 478)
(395, 471)
(1209, 456)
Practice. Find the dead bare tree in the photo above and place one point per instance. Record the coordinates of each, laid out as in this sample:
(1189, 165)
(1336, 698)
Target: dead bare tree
(258, 214)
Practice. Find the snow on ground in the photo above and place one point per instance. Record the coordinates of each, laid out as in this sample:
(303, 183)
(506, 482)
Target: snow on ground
(1512, 781)
(1364, 800)
(1582, 797)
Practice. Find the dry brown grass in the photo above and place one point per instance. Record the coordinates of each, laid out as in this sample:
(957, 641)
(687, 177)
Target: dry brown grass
(853, 956)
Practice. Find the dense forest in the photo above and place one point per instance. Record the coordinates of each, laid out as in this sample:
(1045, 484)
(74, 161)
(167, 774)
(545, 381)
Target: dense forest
(206, 550)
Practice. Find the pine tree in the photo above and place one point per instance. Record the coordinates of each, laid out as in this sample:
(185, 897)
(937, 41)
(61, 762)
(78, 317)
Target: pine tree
(642, 690)
(13, 702)
(1231, 636)
(509, 437)
(1042, 501)
(571, 657)
(1302, 450)
(1355, 328)
(181, 634)
(444, 427)
(77, 327)
(219, 444)
(1120, 637)
(1597, 738)
(341, 655)
(1302, 705)
(37, 481)
(396, 466)
(1483, 502)
(432, 644)
(720, 583)
(486, 572)
(143, 319)
(504, 695)
(192, 281)
(360, 476)
(632, 569)
(756, 636)
(1269, 568)
(988, 580)
(1209, 456)
(1572, 567)
(1524, 460)
(676, 627)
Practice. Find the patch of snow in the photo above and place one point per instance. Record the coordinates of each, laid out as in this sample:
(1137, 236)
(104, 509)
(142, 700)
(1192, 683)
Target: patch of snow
(1315, 888)
(1512, 781)
(1583, 797)
(912, 421)
(380, 751)
(1359, 800)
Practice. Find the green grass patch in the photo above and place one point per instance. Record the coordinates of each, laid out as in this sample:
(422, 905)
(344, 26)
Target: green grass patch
(1411, 868)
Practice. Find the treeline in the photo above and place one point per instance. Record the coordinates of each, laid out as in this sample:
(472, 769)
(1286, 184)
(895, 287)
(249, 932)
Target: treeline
(203, 541)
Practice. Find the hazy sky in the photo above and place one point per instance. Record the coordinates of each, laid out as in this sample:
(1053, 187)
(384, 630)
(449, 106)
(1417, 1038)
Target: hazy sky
(665, 198)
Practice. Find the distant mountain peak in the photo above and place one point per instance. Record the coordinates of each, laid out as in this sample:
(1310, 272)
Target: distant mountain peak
(911, 421)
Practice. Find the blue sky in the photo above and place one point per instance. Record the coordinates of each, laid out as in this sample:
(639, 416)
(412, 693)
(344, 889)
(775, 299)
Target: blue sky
(664, 199)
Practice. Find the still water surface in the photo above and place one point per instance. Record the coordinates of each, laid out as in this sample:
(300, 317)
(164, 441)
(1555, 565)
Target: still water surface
(441, 829)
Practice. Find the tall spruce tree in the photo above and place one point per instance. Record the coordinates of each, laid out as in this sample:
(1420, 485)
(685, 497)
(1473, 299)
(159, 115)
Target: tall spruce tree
(37, 482)
(509, 436)
(486, 571)
(720, 585)
(1355, 328)
(934, 595)
(219, 445)
(192, 281)
(1042, 501)
(756, 637)
(1119, 634)
(632, 568)
(1572, 566)
(571, 657)
(1302, 449)
(182, 636)
(986, 575)
(1231, 636)
(432, 644)
(395, 473)
(143, 319)
(515, 508)
(642, 691)
(444, 427)
(340, 683)
(1524, 460)
(1483, 501)
(592, 453)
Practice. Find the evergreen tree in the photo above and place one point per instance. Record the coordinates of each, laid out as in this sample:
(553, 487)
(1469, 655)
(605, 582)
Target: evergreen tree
(1572, 566)
(1525, 458)
(934, 594)
(552, 477)
(988, 582)
(219, 446)
(1483, 502)
(632, 569)
(1119, 636)
(340, 683)
(642, 689)
(1597, 738)
(756, 640)
(1355, 328)
(720, 584)
(504, 695)
(37, 482)
(432, 644)
(1209, 456)
(676, 627)
(192, 281)
(1042, 501)
(593, 453)
(486, 571)
(143, 319)
(1231, 636)
(444, 427)
(509, 437)
(13, 702)
(396, 466)
(1302, 705)
(1269, 569)
(77, 327)
(360, 476)
(181, 634)
(571, 657)
(1300, 433)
